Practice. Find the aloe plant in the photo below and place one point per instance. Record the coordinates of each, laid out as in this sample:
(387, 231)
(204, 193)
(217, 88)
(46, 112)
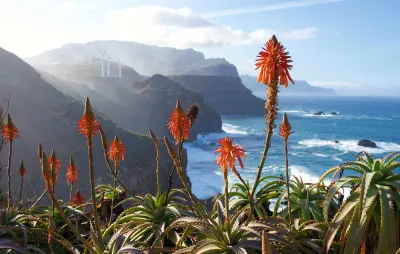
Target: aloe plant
(213, 235)
(372, 210)
(306, 201)
(144, 222)
(268, 188)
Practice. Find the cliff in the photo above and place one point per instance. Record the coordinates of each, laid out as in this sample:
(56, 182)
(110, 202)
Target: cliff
(227, 95)
(47, 116)
(125, 102)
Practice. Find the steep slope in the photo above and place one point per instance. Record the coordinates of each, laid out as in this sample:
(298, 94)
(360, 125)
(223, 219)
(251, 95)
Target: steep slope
(45, 115)
(227, 95)
(147, 60)
(301, 88)
(128, 106)
(163, 92)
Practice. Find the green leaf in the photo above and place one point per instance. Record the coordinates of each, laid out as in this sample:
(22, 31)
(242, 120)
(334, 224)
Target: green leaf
(205, 246)
(339, 184)
(338, 220)
(351, 232)
(385, 227)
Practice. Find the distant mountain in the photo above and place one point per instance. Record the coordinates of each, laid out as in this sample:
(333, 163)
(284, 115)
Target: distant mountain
(44, 114)
(227, 95)
(300, 88)
(134, 102)
(147, 60)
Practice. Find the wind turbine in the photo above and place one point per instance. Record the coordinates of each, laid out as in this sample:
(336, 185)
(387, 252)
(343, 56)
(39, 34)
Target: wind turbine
(103, 53)
(120, 68)
(108, 65)
(90, 55)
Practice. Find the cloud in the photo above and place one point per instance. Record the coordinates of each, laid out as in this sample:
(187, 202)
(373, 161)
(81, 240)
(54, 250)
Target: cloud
(54, 24)
(268, 7)
(183, 28)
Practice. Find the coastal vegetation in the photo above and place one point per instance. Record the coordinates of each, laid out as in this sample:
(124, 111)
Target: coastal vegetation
(353, 208)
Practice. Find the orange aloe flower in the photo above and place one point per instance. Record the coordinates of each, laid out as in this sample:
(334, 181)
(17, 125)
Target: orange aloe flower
(228, 154)
(77, 199)
(88, 124)
(72, 172)
(117, 150)
(48, 176)
(274, 61)
(10, 131)
(285, 130)
(22, 170)
(54, 160)
(179, 124)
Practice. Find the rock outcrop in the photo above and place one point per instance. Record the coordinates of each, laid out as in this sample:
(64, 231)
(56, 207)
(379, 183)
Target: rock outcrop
(227, 95)
(367, 143)
(319, 113)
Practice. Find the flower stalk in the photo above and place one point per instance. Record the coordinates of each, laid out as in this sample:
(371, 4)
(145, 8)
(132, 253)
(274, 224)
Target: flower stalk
(285, 131)
(22, 171)
(47, 171)
(72, 176)
(10, 132)
(274, 64)
(153, 137)
(104, 145)
(89, 126)
(116, 153)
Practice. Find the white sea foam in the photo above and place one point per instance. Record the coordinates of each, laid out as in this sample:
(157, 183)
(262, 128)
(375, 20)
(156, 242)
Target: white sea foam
(308, 177)
(321, 155)
(327, 114)
(350, 146)
(196, 154)
(233, 129)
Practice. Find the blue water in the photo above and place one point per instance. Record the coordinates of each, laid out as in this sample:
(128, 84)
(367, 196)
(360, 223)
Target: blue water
(312, 147)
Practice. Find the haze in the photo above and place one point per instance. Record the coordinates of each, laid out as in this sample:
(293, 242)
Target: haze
(349, 45)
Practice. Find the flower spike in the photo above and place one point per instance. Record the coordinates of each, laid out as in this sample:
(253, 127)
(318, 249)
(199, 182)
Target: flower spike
(179, 124)
(88, 124)
(77, 199)
(10, 131)
(117, 150)
(285, 130)
(72, 172)
(274, 62)
(228, 154)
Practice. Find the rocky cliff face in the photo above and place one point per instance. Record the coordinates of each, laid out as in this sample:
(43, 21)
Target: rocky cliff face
(147, 60)
(45, 115)
(163, 92)
(227, 95)
(133, 105)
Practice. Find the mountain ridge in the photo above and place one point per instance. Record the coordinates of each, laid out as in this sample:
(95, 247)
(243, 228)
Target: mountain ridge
(145, 59)
(300, 88)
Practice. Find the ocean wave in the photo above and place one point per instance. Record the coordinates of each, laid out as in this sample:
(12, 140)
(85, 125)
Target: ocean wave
(310, 113)
(350, 146)
(234, 129)
(321, 155)
(196, 154)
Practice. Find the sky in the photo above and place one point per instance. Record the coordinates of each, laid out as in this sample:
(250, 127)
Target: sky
(352, 46)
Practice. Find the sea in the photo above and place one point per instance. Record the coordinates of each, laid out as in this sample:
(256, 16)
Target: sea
(312, 146)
